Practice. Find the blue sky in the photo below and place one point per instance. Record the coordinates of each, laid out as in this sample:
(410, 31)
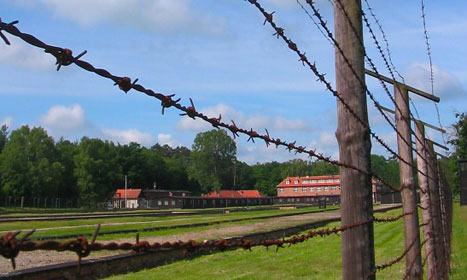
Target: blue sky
(218, 53)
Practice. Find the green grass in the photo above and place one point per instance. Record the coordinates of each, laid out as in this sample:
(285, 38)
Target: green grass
(151, 222)
(319, 258)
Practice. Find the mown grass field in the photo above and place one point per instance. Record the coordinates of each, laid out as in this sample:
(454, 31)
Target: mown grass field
(319, 258)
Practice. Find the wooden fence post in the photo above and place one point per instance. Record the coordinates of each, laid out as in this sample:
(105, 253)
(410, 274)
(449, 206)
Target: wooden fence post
(425, 200)
(358, 259)
(408, 194)
(433, 184)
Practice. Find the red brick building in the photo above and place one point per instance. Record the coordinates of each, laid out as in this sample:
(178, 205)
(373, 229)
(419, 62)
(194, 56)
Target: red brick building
(328, 185)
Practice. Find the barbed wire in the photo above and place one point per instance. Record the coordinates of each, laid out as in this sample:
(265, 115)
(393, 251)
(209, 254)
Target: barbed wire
(64, 57)
(338, 47)
(400, 257)
(388, 51)
(314, 21)
(321, 77)
(11, 246)
(396, 84)
(428, 50)
(373, 66)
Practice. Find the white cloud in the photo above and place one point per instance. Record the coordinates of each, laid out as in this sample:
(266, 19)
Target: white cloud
(446, 85)
(257, 122)
(127, 136)
(63, 118)
(166, 139)
(21, 55)
(7, 121)
(154, 15)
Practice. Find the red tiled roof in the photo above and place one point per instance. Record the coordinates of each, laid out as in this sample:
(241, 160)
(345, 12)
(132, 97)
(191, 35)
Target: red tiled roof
(130, 193)
(251, 193)
(234, 194)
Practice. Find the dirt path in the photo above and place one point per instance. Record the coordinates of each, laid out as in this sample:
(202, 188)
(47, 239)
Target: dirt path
(40, 258)
(110, 224)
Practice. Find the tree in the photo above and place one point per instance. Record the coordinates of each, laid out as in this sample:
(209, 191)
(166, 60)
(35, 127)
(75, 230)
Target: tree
(459, 141)
(323, 168)
(66, 151)
(296, 167)
(29, 165)
(96, 170)
(212, 160)
(3, 136)
(267, 176)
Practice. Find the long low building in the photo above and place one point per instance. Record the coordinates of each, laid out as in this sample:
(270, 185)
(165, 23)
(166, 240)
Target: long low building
(312, 186)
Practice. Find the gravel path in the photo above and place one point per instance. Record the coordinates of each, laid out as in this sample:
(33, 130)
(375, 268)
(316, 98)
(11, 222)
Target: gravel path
(40, 258)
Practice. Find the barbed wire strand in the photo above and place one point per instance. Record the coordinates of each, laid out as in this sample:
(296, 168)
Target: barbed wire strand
(336, 44)
(388, 51)
(428, 50)
(65, 57)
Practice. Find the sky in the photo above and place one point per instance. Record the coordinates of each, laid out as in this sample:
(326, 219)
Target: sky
(219, 53)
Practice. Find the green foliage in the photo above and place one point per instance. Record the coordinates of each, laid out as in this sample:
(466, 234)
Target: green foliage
(387, 169)
(96, 169)
(459, 140)
(29, 164)
(3, 136)
(212, 160)
(323, 168)
(268, 176)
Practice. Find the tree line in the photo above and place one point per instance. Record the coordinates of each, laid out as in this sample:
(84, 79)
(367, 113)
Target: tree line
(33, 164)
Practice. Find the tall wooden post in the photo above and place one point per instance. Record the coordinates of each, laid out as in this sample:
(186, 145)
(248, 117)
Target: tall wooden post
(425, 200)
(358, 260)
(435, 207)
(408, 194)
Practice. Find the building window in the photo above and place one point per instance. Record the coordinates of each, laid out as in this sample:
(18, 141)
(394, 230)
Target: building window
(321, 180)
(318, 189)
(295, 182)
(166, 202)
(287, 182)
(295, 189)
(159, 202)
(311, 189)
(337, 180)
(281, 190)
(326, 189)
(313, 181)
(173, 202)
(329, 181)
(333, 188)
(303, 189)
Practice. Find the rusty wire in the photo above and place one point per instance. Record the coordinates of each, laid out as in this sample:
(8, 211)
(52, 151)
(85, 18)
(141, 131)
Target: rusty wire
(64, 57)
(10, 246)
(321, 77)
(330, 36)
(373, 66)
(428, 51)
(398, 258)
(378, 46)
(388, 51)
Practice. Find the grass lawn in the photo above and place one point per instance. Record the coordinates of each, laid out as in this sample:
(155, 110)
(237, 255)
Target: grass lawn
(319, 258)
